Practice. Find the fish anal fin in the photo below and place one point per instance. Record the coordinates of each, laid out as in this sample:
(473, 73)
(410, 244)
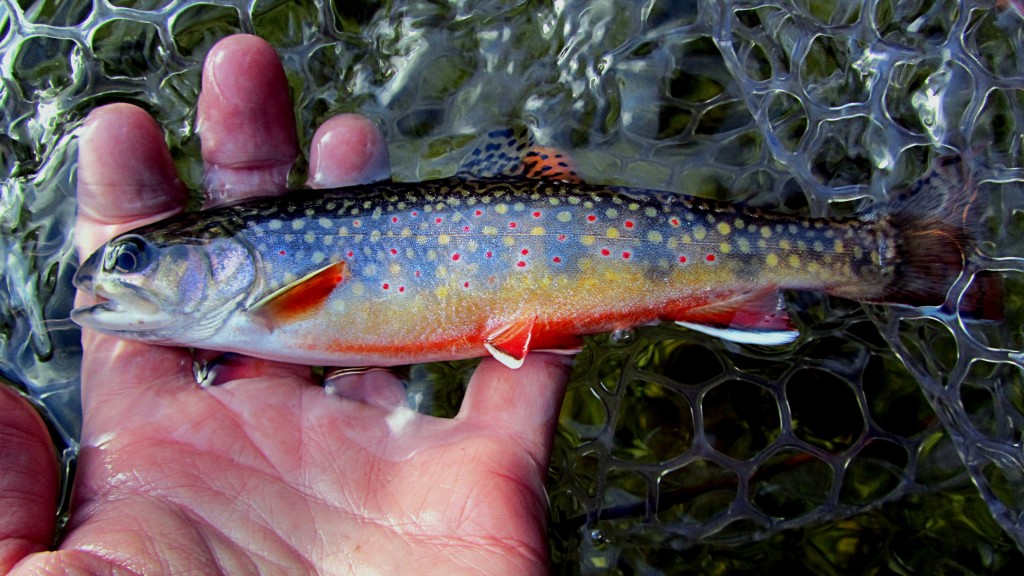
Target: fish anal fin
(302, 298)
(748, 318)
(510, 343)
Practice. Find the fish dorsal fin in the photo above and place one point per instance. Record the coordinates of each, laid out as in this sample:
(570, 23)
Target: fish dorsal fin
(510, 343)
(748, 318)
(511, 152)
(302, 298)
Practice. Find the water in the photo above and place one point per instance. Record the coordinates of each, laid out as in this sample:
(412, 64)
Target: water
(884, 437)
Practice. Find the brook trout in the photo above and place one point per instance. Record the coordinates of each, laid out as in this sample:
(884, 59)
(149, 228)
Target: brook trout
(512, 255)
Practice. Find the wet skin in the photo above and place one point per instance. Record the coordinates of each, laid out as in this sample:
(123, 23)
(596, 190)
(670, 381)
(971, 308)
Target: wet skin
(265, 471)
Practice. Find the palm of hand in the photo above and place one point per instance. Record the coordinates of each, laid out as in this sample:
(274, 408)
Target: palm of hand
(322, 482)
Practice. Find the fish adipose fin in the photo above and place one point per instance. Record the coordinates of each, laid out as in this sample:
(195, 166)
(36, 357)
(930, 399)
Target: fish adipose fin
(748, 318)
(935, 225)
(511, 152)
(510, 344)
(301, 298)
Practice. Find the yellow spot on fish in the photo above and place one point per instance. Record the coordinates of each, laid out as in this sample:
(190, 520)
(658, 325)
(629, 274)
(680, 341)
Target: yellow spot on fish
(634, 206)
(394, 269)
(839, 246)
(766, 232)
(725, 247)
(318, 257)
(441, 271)
(441, 291)
(501, 208)
(771, 260)
(654, 236)
(784, 244)
(358, 288)
(672, 242)
(724, 229)
(443, 239)
(564, 216)
(650, 211)
(406, 232)
(554, 201)
(699, 232)
(274, 224)
(308, 238)
(537, 231)
(612, 233)
(490, 231)
(818, 246)
(324, 223)
(611, 213)
(587, 240)
(743, 244)
(739, 224)
(508, 240)
(687, 239)
(794, 260)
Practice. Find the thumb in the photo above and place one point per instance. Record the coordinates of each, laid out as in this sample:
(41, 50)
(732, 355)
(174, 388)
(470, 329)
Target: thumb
(28, 481)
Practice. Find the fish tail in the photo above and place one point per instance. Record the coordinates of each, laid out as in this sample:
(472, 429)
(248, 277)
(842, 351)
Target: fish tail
(935, 227)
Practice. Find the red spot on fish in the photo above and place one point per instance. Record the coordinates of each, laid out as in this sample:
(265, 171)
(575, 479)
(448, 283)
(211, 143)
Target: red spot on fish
(489, 254)
(465, 284)
(437, 220)
(561, 237)
(591, 218)
(478, 213)
(629, 223)
(415, 213)
(385, 286)
(357, 223)
(394, 219)
(521, 264)
(281, 252)
(417, 273)
(605, 252)
(710, 257)
(350, 254)
(394, 251)
(682, 259)
(401, 288)
(536, 214)
(525, 251)
(556, 259)
(512, 224)
(465, 228)
(674, 222)
(626, 255)
(455, 257)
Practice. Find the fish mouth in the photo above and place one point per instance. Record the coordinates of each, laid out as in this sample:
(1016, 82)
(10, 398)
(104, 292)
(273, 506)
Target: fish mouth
(130, 311)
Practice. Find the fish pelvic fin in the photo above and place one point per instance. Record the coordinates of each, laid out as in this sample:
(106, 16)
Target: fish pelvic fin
(935, 227)
(509, 152)
(510, 343)
(302, 298)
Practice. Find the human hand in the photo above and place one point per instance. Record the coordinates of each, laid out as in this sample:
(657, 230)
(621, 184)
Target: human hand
(266, 472)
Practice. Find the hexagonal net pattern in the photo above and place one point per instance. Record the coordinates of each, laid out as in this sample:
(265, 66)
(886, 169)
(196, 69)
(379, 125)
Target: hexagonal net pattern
(884, 435)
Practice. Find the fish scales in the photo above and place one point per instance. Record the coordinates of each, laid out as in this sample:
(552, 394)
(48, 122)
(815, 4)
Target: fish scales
(396, 273)
(432, 268)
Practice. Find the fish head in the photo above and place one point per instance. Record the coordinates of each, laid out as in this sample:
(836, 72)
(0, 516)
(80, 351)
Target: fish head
(175, 291)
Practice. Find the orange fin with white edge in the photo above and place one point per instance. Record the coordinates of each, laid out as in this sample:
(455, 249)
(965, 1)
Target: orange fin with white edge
(508, 152)
(747, 318)
(302, 298)
(510, 344)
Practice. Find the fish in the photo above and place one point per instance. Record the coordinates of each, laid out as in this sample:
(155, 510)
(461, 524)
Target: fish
(513, 254)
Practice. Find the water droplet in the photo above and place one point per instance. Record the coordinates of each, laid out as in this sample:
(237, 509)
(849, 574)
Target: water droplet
(623, 337)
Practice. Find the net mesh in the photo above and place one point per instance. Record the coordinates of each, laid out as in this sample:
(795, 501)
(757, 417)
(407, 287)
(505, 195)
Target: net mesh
(884, 436)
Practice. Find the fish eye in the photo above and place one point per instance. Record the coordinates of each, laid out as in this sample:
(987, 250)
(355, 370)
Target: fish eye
(129, 254)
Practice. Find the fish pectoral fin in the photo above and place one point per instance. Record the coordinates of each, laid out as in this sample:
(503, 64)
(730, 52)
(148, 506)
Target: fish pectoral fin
(513, 153)
(510, 344)
(302, 298)
(747, 318)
